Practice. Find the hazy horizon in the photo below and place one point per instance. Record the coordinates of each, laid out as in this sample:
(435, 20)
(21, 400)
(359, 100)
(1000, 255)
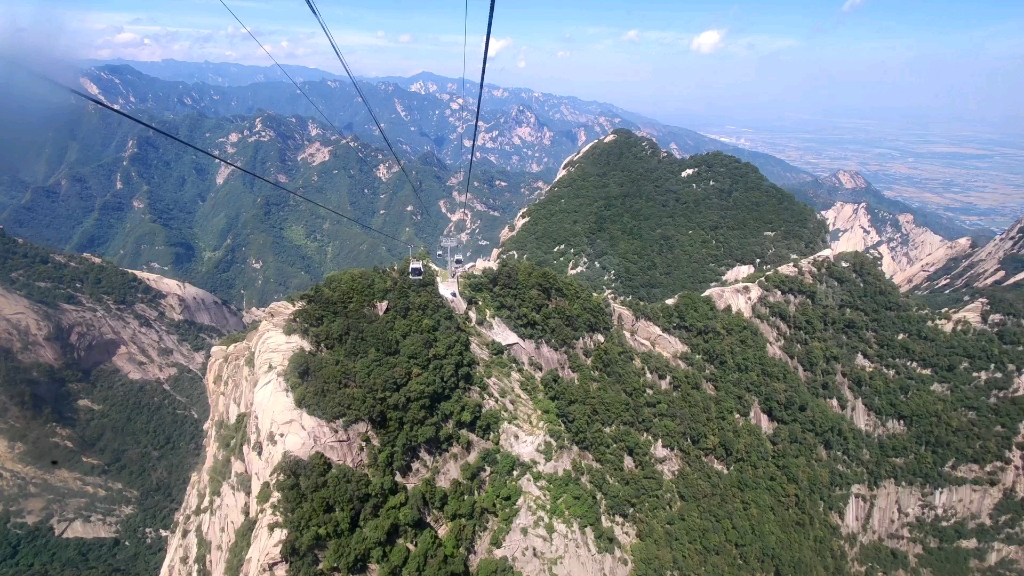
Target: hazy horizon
(854, 60)
(970, 171)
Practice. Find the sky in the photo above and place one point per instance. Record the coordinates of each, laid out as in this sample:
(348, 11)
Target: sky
(914, 61)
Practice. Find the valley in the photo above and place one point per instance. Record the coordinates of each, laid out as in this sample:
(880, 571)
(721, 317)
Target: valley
(969, 172)
(664, 354)
(101, 409)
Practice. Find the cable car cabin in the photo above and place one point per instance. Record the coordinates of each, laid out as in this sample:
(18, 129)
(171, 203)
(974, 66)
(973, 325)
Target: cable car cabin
(440, 253)
(458, 259)
(416, 270)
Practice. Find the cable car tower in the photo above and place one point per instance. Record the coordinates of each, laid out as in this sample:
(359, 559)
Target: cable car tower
(449, 243)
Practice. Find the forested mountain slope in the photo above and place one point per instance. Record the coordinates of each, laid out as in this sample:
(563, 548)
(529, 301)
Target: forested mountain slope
(520, 129)
(838, 427)
(626, 216)
(92, 182)
(101, 409)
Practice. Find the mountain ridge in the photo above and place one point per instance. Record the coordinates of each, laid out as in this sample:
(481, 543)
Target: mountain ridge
(433, 115)
(850, 186)
(908, 253)
(98, 184)
(640, 217)
(999, 264)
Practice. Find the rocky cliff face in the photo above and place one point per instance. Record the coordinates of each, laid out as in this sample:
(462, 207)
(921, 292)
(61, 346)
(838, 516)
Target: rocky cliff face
(887, 513)
(183, 301)
(909, 252)
(998, 263)
(135, 339)
(227, 517)
(253, 423)
(849, 186)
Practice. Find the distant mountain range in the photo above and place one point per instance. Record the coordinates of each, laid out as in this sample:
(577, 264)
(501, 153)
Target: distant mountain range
(86, 181)
(83, 180)
(521, 129)
(92, 182)
(217, 73)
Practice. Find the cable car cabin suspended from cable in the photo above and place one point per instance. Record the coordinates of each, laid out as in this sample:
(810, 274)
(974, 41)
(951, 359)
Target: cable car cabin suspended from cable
(458, 259)
(440, 253)
(416, 270)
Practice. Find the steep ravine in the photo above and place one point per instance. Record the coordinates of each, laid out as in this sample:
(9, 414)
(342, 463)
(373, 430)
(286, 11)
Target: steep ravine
(87, 348)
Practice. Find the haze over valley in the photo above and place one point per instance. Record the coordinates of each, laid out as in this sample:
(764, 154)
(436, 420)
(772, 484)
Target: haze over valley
(972, 172)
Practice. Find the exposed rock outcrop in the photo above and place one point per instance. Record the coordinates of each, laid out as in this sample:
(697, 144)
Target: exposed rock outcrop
(909, 252)
(247, 379)
(139, 347)
(539, 545)
(858, 413)
(668, 461)
(760, 419)
(887, 512)
(510, 231)
(848, 179)
(738, 272)
(992, 265)
(740, 297)
(527, 351)
(646, 336)
(971, 314)
(26, 327)
(186, 302)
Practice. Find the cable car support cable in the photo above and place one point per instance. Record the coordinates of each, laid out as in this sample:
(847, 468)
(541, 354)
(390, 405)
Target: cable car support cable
(462, 103)
(479, 99)
(303, 92)
(334, 45)
(103, 104)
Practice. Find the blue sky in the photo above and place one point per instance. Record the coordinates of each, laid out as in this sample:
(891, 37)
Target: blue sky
(918, 60)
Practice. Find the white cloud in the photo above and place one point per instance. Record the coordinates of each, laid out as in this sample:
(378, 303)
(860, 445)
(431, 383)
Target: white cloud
(125, 38)
(852, 5)
(405, 39)
(563, 54)
(497, 45)
(631, 36)
(381, 34)
(707, 42)
(521, 57)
